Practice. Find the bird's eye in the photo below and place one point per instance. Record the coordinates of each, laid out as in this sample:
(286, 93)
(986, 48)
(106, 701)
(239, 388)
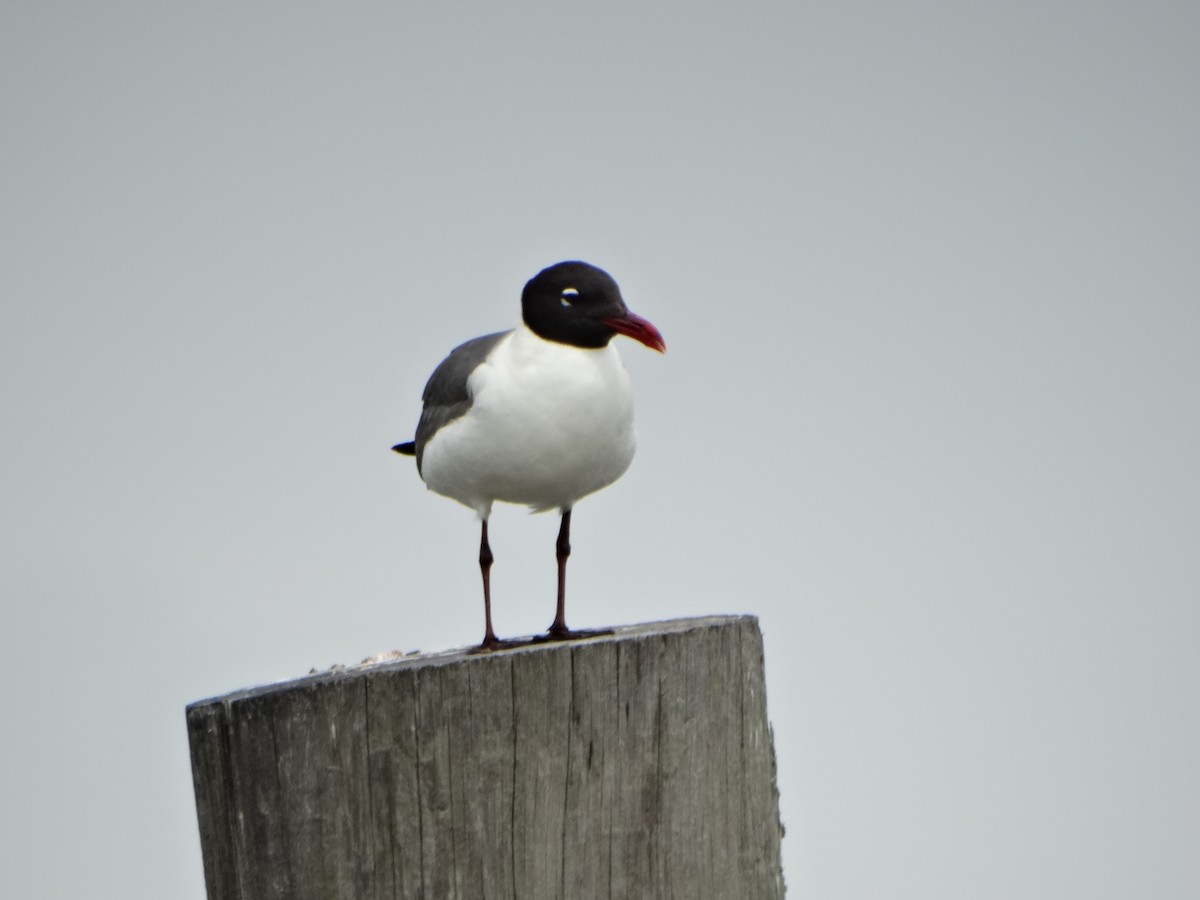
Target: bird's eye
(568, 296)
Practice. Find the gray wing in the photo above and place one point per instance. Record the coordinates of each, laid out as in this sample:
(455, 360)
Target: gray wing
(446, 397)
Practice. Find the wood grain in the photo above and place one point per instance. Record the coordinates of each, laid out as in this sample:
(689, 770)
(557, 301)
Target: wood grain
(635, 765)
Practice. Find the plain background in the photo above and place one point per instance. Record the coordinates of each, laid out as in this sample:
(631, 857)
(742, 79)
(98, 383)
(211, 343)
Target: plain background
(928, 275)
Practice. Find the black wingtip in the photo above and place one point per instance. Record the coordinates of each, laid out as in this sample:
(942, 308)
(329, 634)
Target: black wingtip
(409, 449)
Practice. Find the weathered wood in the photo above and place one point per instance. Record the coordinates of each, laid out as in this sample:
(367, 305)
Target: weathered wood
(636, 765)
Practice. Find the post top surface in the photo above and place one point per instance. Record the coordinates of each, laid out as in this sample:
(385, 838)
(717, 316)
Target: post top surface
(459, 655)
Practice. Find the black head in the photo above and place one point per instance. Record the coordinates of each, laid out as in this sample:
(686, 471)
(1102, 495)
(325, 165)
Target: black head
(578, 304)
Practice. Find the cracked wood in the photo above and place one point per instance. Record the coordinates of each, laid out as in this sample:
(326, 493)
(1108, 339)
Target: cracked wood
(636, 765)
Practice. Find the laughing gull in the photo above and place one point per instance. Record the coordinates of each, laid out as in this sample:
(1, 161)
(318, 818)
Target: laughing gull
(541, 415)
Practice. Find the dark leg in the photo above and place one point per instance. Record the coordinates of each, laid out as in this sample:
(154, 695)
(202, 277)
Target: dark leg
(485, 567)
(559, 630)
(563, 550)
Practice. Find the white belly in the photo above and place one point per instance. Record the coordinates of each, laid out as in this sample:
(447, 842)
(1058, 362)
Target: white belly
(549, 424)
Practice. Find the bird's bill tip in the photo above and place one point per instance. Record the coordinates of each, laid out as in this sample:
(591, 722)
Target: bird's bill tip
(639, 329)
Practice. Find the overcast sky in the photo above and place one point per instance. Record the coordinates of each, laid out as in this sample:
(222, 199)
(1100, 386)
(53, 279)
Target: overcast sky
(929, 276)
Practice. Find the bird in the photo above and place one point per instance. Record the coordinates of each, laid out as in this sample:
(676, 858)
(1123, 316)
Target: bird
(540, 415)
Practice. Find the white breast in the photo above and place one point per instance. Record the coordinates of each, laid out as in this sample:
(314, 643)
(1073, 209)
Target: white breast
(549, 424)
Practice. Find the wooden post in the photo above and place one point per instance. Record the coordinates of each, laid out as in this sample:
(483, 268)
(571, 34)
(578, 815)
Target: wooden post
(636, 765)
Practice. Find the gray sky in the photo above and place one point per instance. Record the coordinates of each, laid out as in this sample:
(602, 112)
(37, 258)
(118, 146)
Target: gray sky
(929, 279)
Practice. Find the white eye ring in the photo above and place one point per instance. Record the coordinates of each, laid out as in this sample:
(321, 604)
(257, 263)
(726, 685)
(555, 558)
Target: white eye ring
(568, 295)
